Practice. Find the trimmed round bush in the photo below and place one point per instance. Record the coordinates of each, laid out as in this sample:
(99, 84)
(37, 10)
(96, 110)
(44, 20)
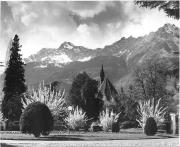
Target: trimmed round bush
(36, 119)
(150, 128)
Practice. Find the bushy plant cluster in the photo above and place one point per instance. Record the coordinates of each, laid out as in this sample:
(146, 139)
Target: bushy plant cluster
(55, 100)
(76, 119)
(36, 119)
(147, 109)
(107, 118)
(127, 104)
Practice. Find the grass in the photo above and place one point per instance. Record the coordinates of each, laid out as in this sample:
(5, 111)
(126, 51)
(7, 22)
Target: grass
(124, 134)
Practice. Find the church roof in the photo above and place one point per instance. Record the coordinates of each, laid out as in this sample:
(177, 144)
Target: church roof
(108, 91)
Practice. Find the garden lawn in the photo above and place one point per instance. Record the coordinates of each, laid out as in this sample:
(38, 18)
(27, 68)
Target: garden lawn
(124, 134)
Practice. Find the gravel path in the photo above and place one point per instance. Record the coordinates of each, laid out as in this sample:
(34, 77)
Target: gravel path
(172, 142)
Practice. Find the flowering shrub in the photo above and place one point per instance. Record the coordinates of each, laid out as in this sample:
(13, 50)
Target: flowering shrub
(148, 109)
(54, 100)
(76, 119)
(107, 118)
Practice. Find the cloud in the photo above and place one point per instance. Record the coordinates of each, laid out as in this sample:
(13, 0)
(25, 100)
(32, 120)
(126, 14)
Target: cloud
(28, 19)
(88, 9)
(92, 24)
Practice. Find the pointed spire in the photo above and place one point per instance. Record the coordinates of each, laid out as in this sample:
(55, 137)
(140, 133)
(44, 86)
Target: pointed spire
(102, 75)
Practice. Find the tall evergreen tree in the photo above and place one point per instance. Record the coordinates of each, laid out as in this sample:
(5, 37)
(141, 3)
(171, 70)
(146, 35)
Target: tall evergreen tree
(14, 83)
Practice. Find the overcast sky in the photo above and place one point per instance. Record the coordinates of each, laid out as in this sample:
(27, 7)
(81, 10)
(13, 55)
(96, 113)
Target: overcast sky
(90, 24)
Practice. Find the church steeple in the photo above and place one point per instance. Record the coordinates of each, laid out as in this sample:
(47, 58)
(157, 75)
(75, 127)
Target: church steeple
(102, 74)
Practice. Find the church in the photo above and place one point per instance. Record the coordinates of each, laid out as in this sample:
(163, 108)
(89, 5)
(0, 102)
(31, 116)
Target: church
(108, 91)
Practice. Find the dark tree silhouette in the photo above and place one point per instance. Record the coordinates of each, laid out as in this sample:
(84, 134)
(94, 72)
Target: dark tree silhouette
(83, 93)
(14, 83)
(74, 97)
(92, 104)
(171, 8)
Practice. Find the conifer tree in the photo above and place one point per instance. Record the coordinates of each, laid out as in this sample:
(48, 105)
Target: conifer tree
(171, 8)
(14, 83)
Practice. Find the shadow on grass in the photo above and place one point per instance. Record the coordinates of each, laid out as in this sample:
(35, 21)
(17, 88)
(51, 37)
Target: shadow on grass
(61, 137)
(99, 138)
(7, 145)
(167, 136)
(124, 132)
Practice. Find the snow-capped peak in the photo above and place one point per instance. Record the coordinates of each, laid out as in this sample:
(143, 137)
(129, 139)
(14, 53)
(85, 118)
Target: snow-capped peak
(85, 59)
(67, 45)
(61, 58)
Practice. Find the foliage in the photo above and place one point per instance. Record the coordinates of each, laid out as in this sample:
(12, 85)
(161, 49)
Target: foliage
(148, 109)
(75, 91)
(92, 104)
(76, 119)
(13, 108)
(36, 119)
(107, 118)
(54, 100)
(115, 127)
(171, 8)
(14, 83)
(127, 104)
(150, 81)
(83, 93)
(95, 127)
(12, 125)
(167, 123)
(150, 127)
(129, 124)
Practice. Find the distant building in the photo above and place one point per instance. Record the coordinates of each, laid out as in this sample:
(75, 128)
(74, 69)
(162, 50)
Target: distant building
(108, 91)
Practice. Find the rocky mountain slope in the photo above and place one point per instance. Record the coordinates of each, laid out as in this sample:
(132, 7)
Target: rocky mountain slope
(119, 58)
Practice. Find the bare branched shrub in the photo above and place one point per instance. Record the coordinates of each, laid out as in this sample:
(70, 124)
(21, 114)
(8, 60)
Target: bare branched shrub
(107, 118)
(76, 119)
(148, 109)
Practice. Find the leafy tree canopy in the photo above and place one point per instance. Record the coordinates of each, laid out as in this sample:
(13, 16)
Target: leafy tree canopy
(83, 93)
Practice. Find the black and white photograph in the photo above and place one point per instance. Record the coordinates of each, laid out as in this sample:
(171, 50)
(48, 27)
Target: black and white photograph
(89, 73)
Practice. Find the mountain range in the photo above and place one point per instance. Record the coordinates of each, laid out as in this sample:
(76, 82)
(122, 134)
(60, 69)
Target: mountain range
(119, 59)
